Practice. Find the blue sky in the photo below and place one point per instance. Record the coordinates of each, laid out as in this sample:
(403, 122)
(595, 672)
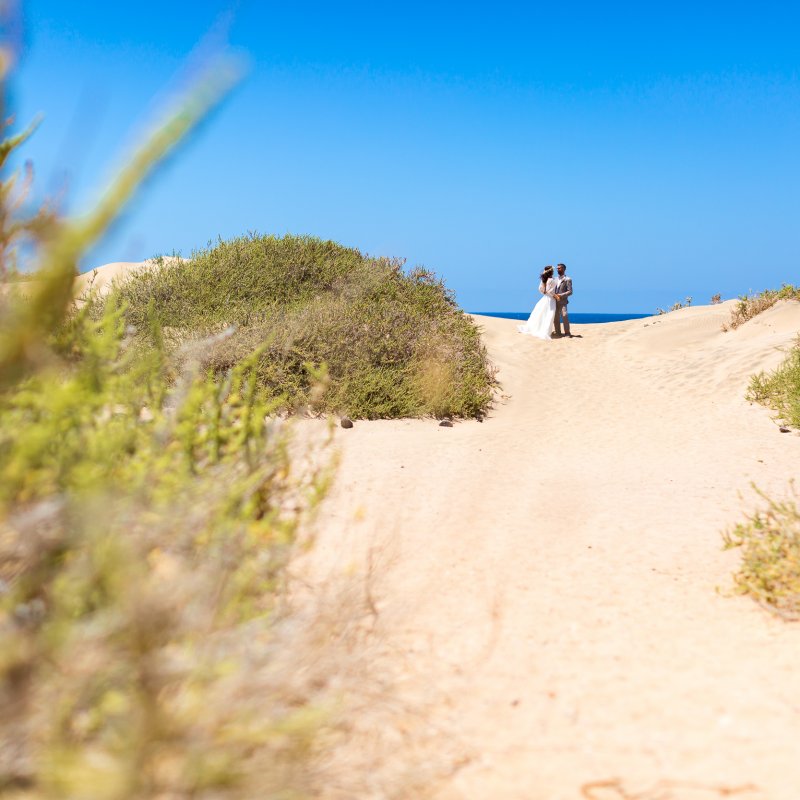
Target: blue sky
(653, 148)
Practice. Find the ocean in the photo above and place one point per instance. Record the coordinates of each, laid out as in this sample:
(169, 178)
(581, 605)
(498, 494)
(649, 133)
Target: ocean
(577, 317)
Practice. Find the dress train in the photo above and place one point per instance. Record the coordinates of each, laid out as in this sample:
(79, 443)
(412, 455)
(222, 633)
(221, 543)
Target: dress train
(540, 322)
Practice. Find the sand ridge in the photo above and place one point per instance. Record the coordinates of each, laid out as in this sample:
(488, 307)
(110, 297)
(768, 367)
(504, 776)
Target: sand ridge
(556, 571)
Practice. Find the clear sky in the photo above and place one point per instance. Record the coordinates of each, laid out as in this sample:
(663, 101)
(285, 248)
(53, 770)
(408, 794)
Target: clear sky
(652, 147)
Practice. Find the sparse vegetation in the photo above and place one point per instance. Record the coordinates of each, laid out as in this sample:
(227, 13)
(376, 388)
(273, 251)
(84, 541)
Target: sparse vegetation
(770, 539)
(770, 570)
(687, 302)
(780, 389)
(394, 344)
(752, 305)
(716, 299)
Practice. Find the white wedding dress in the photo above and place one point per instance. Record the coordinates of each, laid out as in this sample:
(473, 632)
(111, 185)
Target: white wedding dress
(540, 322)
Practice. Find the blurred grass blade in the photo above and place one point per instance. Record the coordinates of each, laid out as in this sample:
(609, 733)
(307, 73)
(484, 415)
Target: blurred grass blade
(22, 339)
(11, 144)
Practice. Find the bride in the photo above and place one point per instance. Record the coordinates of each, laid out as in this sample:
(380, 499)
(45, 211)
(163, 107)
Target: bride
(540, 322)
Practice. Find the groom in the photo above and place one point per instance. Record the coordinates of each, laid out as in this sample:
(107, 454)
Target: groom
(562, 291)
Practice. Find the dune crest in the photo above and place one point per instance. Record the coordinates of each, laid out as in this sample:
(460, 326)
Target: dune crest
(101, 278)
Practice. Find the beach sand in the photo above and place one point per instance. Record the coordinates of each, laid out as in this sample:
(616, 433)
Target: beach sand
(554, 576)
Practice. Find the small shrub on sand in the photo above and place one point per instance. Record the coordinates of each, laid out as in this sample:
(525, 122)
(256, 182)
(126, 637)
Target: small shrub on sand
(752, 305)
(770, 570)
(780, 389)
(675, 306)
(716, 299)
(394, 343)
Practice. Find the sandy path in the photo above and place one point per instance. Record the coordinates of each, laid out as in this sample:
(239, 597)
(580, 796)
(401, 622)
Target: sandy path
(553, 572)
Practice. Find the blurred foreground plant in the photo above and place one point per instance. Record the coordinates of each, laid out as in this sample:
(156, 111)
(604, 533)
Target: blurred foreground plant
(145, 538)
(13, 194)
(61, 243)
(148, 512)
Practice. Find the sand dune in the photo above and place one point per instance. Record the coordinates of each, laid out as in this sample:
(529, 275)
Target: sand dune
(556, 573)
(100, 278)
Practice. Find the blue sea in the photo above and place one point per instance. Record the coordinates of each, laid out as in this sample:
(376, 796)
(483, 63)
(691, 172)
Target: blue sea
(577, 318)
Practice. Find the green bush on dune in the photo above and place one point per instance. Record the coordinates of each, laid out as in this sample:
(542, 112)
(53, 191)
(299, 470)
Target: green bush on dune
(394, 344)
(780, 389)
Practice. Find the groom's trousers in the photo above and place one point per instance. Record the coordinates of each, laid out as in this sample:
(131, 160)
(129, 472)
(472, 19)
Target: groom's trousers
(562, 313)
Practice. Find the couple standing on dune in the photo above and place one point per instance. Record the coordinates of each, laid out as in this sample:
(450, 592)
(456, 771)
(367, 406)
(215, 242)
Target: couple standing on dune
(551, 310)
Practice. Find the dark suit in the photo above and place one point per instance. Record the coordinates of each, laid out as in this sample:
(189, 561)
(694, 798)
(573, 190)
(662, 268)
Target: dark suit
(563, 287)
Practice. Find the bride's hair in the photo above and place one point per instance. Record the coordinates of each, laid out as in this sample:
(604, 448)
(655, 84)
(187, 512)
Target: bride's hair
(547, 273)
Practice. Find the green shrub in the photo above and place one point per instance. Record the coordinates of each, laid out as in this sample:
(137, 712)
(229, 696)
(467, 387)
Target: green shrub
(780, 389)
(394, 344)
(752, 305)
(770, 571)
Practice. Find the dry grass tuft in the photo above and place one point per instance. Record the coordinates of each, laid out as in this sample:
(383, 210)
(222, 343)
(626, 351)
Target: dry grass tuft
(750, 306)
(780, 389)
(770, 570)
(675, 306)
